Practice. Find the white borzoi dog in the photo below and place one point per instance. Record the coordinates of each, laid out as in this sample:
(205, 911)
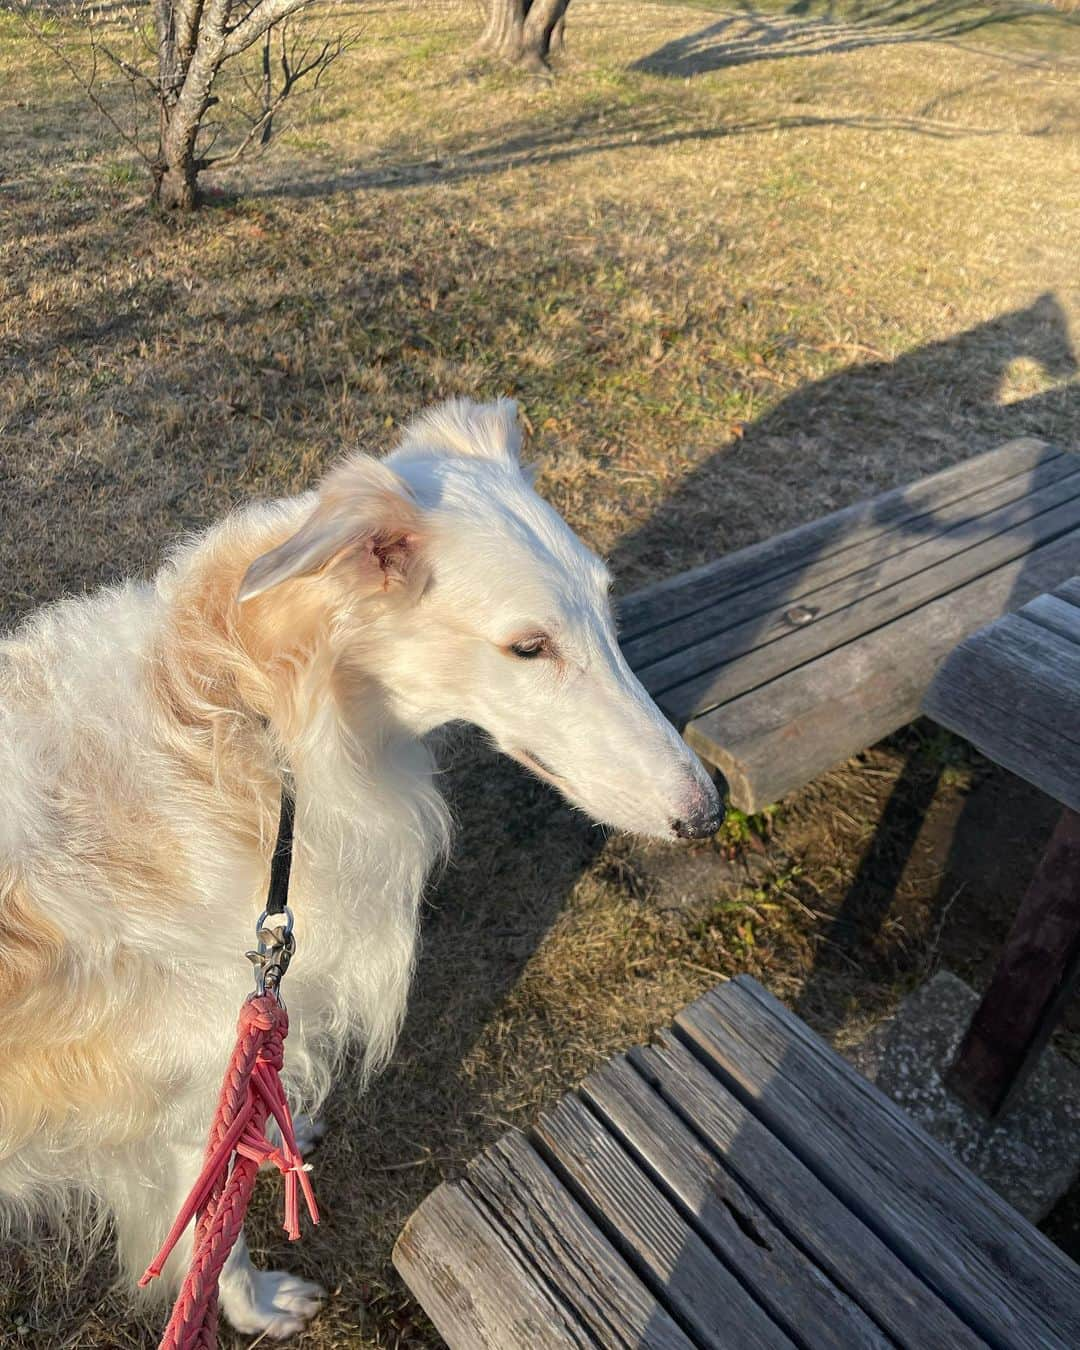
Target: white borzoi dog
(144, 732)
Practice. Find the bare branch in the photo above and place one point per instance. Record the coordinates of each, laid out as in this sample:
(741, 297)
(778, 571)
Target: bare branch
(133, 73)
(260, 128)
(184, 75)
(224, 161)
(85, 83)
(258, 19)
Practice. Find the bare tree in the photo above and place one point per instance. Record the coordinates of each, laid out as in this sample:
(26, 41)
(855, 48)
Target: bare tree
(524, 32)
(178, 74)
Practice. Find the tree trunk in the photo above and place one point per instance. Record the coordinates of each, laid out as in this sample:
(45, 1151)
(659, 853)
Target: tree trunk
(177, 169)
(524, 32)
(191, 47)
(558, 33)
(502, 32)
(175, 188)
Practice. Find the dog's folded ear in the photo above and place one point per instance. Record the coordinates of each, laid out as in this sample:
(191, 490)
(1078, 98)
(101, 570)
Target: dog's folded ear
(365, 519)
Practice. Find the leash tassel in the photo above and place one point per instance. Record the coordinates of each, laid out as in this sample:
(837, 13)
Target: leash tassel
(250, 1094)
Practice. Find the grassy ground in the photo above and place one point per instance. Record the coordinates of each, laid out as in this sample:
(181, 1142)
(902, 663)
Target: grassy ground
(741, 266)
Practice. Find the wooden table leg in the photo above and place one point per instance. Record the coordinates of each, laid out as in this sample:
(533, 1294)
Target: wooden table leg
(1037, 971)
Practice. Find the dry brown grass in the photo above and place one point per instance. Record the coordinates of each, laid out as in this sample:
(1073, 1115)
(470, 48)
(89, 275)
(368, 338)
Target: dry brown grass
(825, 262)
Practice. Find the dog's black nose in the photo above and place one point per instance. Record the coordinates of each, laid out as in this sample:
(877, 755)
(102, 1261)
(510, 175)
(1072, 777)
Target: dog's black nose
(701, 824)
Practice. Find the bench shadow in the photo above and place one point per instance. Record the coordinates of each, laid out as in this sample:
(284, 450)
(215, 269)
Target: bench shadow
(853, 433)
(1039, 334)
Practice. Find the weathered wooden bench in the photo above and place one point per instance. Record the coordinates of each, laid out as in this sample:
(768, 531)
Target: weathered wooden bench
(735, 1185)
(784, 659)
(1013, 690)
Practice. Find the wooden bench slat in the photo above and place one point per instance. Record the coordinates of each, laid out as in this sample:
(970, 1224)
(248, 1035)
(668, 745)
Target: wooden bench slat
(759, 611)
(775, 739)
(762, 1210)
(677, 596)
(734, 1185)
(1026, 525)
(1057, 614)
(1026, 716)
(788, 1196)
(1001, 1275)
(475, 1284)
(669, 1255)
(569, 1252)
(1069, 590)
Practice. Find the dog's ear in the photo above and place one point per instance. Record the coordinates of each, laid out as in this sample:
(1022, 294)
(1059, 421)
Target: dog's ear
(365, 519)
(461, 427)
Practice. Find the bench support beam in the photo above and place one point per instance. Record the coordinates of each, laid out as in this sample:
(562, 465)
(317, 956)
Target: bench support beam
(1039, 969)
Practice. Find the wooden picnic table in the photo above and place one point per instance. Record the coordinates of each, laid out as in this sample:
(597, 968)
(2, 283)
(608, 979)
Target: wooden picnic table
(1013, 690)
(786, 658)
(735, 1185)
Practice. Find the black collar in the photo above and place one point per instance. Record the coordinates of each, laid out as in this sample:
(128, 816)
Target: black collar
(277, 897)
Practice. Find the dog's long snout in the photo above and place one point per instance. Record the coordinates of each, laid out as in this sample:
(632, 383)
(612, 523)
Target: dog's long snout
(705, 817)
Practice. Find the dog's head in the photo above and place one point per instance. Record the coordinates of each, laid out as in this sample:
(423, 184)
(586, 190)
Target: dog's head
(474, 601)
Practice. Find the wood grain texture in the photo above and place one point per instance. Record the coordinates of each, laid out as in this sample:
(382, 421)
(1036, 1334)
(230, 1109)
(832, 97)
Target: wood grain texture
(1056, 614)
(1010, 1284)
(667, 600)
(475, 1284)
(848, 612)
(808, 1259)
(740, 1177)
(1069, 590)
(1037, 973)
(775, 739)
(568, 1251)
(1013, 690)
(669, 1256)
(817, 587)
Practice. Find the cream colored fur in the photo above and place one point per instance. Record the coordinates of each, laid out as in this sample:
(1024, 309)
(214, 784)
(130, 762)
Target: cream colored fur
(144, 732)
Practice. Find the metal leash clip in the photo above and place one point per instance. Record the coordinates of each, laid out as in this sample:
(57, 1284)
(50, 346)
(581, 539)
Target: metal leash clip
(275, 950)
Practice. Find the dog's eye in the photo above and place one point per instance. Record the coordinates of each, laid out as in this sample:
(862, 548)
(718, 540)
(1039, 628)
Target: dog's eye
(529, 648)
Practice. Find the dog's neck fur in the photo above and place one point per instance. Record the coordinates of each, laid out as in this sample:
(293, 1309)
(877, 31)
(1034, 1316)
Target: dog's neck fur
(295, 684)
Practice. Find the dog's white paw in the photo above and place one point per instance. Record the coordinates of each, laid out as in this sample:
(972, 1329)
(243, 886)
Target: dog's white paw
(272, 1303)
(309, 1134)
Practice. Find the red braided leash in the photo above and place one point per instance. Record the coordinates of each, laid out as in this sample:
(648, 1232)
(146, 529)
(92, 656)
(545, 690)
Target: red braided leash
(237, 1145)
(250, 1094)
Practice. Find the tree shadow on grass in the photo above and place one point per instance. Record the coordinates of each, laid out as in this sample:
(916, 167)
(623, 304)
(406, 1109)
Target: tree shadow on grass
(807, 28)
(557, 145)
(742, 37)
